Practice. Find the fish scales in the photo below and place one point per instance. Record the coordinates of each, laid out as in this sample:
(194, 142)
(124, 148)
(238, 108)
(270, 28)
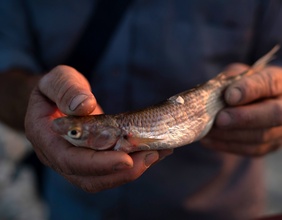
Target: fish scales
(174, 123)
(178, 121)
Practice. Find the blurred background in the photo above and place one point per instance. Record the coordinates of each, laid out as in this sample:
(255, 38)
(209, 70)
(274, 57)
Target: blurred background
(273, 178)
(19, 199)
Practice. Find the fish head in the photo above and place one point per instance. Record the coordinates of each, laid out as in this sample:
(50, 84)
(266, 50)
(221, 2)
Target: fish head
(72, 129)
(95, 132)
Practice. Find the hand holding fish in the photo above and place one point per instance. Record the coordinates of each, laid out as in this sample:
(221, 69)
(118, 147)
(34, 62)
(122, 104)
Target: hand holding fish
(64, 91)
(251, 125)
(188, 116)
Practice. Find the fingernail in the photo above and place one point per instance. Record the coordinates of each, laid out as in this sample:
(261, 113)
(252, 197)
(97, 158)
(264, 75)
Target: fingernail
(77, 100)
(121, 166)
(223, 119)
(151, 158)
(233, 96)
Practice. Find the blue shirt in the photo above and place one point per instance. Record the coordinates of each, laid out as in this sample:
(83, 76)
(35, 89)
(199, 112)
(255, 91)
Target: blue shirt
(161, 47)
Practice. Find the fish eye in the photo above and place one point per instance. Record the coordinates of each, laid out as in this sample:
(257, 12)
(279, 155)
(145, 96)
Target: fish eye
(74, 133)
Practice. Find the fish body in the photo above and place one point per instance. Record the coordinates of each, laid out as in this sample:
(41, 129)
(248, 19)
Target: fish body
(178, 121)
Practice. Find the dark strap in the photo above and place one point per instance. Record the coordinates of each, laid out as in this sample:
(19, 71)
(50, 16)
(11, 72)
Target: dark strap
(93, 42)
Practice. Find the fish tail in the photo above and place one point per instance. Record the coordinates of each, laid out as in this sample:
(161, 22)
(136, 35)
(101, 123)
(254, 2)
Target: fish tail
(256, 67)
(263, 61)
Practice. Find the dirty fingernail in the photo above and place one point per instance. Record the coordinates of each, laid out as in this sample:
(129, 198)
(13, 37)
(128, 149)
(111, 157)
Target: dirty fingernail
(77, 100)
(150, 158)
(233, 96)
(223, 119)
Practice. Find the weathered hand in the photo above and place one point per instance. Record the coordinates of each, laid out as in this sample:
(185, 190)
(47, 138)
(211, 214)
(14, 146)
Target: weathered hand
(252, 123)
(64, 91)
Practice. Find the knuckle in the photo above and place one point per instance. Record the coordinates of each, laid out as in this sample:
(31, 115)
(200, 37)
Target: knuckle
(273, 79)
(243, 117)
(261, 136)
(259, 85)
(267, 80)
(265, 136)
(261, 150)
(254, 85)
(277, 113)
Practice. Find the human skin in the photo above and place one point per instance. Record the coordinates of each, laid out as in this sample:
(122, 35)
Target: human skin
(254, 128)
(251, 125)
(65, 91)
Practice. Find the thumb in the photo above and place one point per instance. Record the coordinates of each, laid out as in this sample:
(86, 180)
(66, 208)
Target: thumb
(69, 90)
(230, 96)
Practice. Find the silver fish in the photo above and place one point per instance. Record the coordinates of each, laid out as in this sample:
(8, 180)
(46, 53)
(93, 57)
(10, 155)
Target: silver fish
(178, 121)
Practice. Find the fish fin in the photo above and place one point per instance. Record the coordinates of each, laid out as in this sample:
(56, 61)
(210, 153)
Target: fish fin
(256, 67)
(131, 143)
(143, 147)
(137, 141)
(263, 61)
(123, 145)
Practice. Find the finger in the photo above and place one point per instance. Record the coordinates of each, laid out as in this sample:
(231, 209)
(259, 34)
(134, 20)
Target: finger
(267, 83)
(69, 160)
(235, 69)
(264, 114)
(94, 184)
(144, 159)
(253, 150)
(97, 183)
(69, 90)
(247, 136)
(83, 161)
(59, 154)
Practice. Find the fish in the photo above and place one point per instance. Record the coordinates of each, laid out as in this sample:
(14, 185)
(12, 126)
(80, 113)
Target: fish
(178, 121)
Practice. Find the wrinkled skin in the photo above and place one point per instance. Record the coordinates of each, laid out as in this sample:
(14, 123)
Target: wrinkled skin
(249, 126)
(90, 170)
(252, 123)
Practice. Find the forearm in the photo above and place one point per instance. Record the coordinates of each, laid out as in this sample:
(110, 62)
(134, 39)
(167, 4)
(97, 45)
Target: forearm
(15, 88)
